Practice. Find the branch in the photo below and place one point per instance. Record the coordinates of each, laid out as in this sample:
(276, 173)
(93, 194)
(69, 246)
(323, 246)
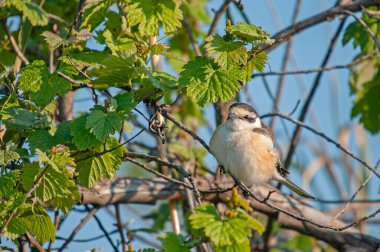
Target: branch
(367, 29)
(146, 191)
(218, 14)
(91, 213)
(305, 107)
(16, 49)
(328, 139)
(320, 69)
(34, 242)
(327, 15)
(166, 114)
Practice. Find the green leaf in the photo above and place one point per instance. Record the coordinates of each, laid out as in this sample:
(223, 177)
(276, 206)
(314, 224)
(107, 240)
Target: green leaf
(356, 32)
(95, 165)
(226, 234)
(102, 125)
(249, 32)
(82, 137)
(114, 71)
(40, 139)
(366, 104)
(148, 15)
(7, 156)
(228, 53)
(62, 135)
(206, 82)
(119, 44)
(173, 243)
(20, 119)
(41, 85)
(125, 102)
(54, 40)
(34, 13)
(38, 222)
(8, 183)
(29, 172)
(95, 12)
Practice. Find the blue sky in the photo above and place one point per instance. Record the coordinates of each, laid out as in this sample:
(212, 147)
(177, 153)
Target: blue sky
(331, 106)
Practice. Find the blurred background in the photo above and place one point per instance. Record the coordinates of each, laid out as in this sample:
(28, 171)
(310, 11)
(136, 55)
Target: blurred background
(318, 166)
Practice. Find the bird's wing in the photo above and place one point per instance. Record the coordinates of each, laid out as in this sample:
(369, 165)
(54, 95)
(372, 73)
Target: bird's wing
(268, 133)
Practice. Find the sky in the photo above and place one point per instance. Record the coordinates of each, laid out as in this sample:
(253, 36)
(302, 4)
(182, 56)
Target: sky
(330, 109)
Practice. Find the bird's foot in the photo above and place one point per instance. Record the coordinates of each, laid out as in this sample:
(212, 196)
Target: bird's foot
(221, 170)
(246, 194)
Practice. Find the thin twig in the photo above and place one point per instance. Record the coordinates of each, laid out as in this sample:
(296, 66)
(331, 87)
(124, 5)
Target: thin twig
(356, 192)
(106, 234)
(320, 69)
(35, 243)
(166, 114)
(328, 139)
(159, 174)
(218, 14)
(305, 108)
(193, 42)
(326, 15)
(90, 214)
(120, 227)
(129, 155)
(15, 47)
(28, 194)
(76, 82)
(367, 29)
(300, 218)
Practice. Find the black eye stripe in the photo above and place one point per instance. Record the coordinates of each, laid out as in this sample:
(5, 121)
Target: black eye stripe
(249, 119)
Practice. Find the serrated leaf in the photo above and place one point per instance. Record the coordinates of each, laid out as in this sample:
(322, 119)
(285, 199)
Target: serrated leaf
(249, 32)
(62, 135)
(173, 243)
(123, 44)
(29, 172)
(125, 102)
(34, 13)
(360, 37)
(20, 119)
(82, 137)
(8, 183)
(206, 82)
(54, 40)
(148, 15)
(7, 156)
(38, 223)
(41, 85)
(40, 139)
(92, 167)
(158, 48)
(101, 125)
(95, 13)
(226, 234)
(228, 53)
(114, 71)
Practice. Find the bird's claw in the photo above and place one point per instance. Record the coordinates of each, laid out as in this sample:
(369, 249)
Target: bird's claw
(221, 170)
(246, 194)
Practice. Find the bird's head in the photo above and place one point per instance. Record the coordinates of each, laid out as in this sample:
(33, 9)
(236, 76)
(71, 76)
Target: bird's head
(242, 116)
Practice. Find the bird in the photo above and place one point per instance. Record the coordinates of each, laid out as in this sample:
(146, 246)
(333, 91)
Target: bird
(245, 147)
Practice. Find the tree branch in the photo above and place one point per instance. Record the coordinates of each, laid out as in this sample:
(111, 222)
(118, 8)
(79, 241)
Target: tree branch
(146, 191)
(327, 15)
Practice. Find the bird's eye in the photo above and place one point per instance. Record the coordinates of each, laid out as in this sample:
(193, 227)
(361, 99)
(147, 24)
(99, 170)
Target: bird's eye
(246, 117)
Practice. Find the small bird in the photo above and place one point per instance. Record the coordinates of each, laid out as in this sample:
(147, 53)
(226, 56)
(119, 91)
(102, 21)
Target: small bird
(245, 148)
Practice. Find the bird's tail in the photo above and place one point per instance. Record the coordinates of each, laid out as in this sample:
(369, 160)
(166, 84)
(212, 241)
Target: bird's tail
(295, 188)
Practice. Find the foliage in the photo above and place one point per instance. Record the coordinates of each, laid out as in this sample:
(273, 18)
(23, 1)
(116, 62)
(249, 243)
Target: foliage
(230, 232)
(365, 79)
(44, 161)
